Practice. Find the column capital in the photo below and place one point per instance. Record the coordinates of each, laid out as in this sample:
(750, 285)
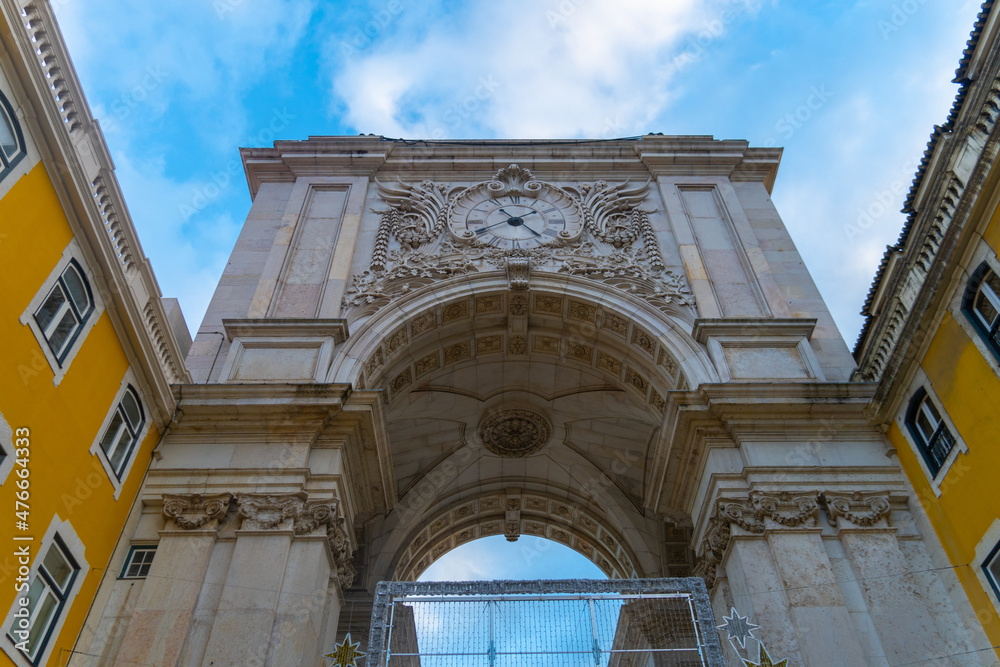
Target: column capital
(269, 511)
(194, 511)
(757, 512)
(863, 510)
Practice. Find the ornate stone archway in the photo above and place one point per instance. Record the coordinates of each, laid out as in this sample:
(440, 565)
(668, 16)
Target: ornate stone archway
(594, 370)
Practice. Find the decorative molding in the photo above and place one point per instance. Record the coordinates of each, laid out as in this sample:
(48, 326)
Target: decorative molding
(161, 344)
(768, 511)
(752, 516)
(418, 214)
(313, 516)
(637, 271)
(109, 216)
(861, 509)
(193, 511)
(50, 63)
(514, 433)
(268, 512)
(518, 272)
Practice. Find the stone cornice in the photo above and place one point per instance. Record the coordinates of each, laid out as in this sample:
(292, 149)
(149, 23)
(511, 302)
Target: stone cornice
(723, 415)
(316, 416)
(284, 327)
(647, 155)
(80, 166)
(752, 326)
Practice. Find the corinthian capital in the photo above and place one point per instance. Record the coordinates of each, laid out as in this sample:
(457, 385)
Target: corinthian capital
(861, 509)
(192, 511)
(267, 512)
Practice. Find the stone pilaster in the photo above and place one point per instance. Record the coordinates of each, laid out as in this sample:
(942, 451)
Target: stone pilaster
(770, 549)
(165, 610)
(275, 598)
(899, 612)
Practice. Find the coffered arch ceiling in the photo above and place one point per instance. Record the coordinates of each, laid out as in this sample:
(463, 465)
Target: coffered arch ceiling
(554, 392)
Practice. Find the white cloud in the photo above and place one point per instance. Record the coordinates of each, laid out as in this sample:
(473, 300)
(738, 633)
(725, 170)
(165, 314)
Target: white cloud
(205, 55)
(188, 258)
(528, 69)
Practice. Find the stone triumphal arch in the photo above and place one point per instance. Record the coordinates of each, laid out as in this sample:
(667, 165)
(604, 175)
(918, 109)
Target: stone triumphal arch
(611, 344)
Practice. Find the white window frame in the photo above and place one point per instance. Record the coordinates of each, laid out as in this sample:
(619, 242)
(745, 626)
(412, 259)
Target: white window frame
(921, 381)
(987, 545)
(76, 550)
(983, 253)
(7, 445)
(132, 551)
(128, 380)
(27, 318)
(31, 156)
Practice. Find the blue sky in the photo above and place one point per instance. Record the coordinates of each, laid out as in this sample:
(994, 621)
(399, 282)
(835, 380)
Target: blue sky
(850, 89)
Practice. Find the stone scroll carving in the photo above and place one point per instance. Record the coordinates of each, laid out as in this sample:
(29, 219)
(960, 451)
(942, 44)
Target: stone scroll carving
(261, 512)
(269, 512)
(316, 516)
(752, 516)
(413, 248)
(860, 509)
(763, 511)
(194, 511)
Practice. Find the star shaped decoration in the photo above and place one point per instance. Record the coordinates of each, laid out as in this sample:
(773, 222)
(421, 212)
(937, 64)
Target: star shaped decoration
(764, 660)
(738, 627)
(346, 654)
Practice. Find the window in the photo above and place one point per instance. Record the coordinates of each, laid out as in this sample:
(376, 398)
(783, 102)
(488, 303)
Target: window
(139, 560)
(11, 139)
(65, 310)
(47, 595)
(982, 305)
(991, 566)
(122, 433)
(929, 430)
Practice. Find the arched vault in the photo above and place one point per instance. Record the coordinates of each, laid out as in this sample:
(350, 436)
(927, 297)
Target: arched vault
(522, 412)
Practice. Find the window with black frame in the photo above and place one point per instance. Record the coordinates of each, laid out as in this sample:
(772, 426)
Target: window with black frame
(982, 305)
(65, 310)
(11, 138)
(929, 430)
(47, 595)
(991, 566)
(140, 559)
(122, 433)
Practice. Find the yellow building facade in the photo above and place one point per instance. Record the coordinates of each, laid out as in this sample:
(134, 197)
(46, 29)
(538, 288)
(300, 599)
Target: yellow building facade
(89, 350)
(931, 338)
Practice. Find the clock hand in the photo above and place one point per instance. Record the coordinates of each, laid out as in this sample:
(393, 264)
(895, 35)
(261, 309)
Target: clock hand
(523, 215)
(531, 230)
(489, 227)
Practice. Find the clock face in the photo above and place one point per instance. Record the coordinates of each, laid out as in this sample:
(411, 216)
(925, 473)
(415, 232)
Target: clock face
(516, 222)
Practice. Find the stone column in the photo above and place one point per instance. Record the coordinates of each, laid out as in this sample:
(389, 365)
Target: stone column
(898, 610)
(275, 598)
(305, 605)
(164, 612)
(771, 551)
(241, 632)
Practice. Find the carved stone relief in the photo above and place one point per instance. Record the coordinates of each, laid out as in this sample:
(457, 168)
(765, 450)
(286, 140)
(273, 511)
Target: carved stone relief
(269, 512)
(413, 248)
(514, 433)
(195, 511)
(772, 511)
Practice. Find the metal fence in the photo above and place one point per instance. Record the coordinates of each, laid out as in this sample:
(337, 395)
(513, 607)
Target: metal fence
(621, 623)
